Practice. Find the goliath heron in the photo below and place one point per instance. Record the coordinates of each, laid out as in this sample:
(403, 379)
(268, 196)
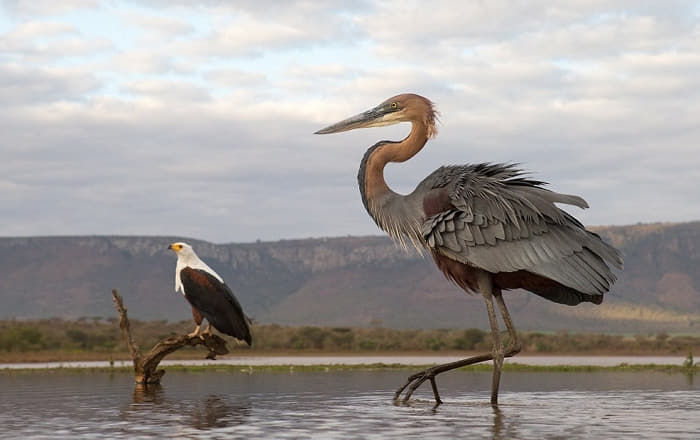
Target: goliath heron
(488, 227)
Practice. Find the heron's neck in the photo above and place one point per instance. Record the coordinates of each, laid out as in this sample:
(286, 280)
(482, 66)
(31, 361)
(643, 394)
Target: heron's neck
(383, 204)
(375, 185)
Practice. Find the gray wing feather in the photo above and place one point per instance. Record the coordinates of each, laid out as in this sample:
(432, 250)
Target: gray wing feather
(500, 221)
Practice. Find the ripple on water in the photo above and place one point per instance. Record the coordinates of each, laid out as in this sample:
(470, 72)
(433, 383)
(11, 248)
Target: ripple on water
(348, 405)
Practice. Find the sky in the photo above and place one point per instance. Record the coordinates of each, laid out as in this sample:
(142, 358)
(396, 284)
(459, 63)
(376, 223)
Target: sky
(196, 119)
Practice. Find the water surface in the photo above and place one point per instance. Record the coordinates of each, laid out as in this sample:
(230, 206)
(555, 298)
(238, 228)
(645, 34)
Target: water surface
(347, 405)
(601, 361)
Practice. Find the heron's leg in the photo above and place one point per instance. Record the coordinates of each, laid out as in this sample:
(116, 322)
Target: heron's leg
(486, 288)
(417, 379)
(514, 345)
(413, 382)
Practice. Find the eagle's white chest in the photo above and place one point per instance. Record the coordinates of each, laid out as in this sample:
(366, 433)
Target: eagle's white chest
(178, 282)
(193, 262)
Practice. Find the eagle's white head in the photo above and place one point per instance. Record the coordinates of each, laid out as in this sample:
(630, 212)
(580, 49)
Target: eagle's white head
(186, 257)
(182, 250)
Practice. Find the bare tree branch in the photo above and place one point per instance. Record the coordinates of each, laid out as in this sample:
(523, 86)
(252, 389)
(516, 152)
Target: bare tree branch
(125, 325)
(146, 366)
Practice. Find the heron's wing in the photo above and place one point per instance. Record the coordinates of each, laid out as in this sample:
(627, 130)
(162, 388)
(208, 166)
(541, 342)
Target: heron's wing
(497, 220)
(216, 302)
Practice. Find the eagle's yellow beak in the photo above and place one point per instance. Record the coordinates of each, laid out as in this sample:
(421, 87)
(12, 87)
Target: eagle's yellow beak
(175, 247)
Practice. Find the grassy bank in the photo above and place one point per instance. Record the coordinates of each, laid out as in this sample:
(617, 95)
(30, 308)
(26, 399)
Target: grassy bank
(98, 339)
(292, 369)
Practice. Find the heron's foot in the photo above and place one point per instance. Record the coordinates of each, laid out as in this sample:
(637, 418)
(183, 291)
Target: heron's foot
(416, 380)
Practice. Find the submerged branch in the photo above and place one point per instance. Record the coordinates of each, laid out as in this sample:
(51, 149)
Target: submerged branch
(146, 366)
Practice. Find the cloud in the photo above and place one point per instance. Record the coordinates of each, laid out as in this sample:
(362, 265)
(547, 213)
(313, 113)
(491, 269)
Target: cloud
(42, 41)
(236, 78)
(245, 34)
(146, 62)
(163, 93)
(34, 29)
(198, 120)
(45, 7)
(158, 27)
(22, 87)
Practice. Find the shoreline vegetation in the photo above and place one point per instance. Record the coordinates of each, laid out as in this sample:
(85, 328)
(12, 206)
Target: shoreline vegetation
(291, 368)
(86, 339)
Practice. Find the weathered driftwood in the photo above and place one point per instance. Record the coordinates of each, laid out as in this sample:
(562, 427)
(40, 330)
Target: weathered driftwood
(146, 366)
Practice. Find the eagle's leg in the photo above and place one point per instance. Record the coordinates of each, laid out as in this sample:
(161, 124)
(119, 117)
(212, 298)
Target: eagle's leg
(207, 331)
(197, 320)
(194, 333)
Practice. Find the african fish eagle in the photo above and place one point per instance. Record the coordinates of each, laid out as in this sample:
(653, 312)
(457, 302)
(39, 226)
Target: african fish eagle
(209, 296)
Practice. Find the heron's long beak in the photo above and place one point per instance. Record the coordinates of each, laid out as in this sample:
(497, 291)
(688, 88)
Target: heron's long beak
(384, 114)
(365, 119)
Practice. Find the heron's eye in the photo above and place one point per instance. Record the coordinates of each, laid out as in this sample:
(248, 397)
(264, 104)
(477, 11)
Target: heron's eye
(394, 105)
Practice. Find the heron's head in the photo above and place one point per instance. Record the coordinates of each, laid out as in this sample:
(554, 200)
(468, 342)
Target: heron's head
(181, 249)
(408, 107)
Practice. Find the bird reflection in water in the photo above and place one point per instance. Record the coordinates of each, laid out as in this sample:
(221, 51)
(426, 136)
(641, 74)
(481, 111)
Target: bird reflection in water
(212, 411)
(216, 412)
(498, 424)
(152, 393)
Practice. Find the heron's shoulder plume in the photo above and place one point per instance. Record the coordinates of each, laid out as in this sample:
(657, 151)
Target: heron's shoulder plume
(432, 118)
(479, 175)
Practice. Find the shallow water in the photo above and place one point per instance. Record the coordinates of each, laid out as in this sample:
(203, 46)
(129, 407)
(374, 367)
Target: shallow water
(348, 405)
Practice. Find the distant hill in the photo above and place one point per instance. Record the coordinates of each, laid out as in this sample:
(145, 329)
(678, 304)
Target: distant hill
(348, 281)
